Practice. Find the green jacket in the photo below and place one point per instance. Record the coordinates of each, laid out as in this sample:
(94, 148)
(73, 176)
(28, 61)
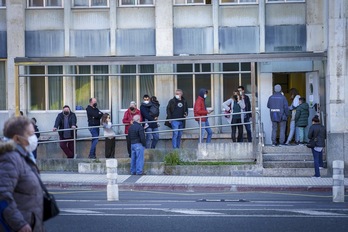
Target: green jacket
(302, 114)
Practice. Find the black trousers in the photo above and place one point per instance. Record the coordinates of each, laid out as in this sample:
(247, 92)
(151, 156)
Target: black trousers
(110, 148)
(129, 146)
(240, 130)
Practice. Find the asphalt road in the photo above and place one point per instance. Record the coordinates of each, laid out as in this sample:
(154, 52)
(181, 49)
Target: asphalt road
(169, 211)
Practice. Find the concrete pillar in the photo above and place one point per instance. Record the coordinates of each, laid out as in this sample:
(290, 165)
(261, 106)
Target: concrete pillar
(164, 27)
(67, 23)
(111, 175)
(15, 23)
(338, 181)
(262, 23)
(217, 85)
(315, 18)
(215, 14)
(265, 90)
(336, 82)
(113, 26)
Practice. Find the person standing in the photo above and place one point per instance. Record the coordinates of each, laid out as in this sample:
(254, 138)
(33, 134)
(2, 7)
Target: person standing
(21, 204)
(235, 106)
(94, 115)
(317, 133)
(152, 128)
(294, 95)
(110, 136)
(279, 111)
(66, 120)
(136, 135)
(37, 133)
(301, 120)
(177, 109)
(200, 110)
(127, 119)
(246, 116)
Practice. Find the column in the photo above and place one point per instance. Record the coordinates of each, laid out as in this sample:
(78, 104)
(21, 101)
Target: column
(113, 26)
(262, 22)
(215, 8)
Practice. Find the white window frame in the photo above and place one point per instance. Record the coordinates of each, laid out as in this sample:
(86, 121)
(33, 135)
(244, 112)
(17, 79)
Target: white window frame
(137, 4)
(285, 1)
(90, 5)
(238, 3)
(44, 5)
(189, 4)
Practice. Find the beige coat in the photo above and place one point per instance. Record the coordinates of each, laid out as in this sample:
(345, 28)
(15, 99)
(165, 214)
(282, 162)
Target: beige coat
(20, 188)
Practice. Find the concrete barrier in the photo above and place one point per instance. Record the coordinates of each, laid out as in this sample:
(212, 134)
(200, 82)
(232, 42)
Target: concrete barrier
(111, 175)
(225, 151)
(338, 181)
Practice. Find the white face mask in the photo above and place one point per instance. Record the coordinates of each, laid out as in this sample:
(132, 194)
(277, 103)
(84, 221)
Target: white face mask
(205, 96)
(146, 102)
(177, 96)
(32, 143)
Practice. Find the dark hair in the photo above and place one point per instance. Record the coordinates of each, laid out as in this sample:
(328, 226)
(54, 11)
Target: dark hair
(293, 92)
(146, 96)
(16, 126)
(90, 100)
(153, 98)
(241, 87)
(34, 120)
(21, 113)
(66, 106)
(316, 119)
(302, 99)
(104, 117)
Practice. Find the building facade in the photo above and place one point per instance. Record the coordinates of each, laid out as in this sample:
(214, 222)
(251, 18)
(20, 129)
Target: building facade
(176, 28)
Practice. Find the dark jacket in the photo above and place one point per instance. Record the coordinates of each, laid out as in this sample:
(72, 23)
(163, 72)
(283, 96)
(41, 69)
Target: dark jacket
(319, 132)
(247, 106)
(136, 134)
(302, 114)
(199, 108)
(94, 115)
(145, 114)
(20, 189)
(173, 105)
(279, 109)
(59, 124)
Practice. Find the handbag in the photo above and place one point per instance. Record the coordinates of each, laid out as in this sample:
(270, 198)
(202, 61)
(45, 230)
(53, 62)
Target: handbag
(228, 112)
(312, 143)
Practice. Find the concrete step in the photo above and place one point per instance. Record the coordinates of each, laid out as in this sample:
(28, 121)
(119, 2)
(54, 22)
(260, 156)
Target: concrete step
(292, 172)
(288, 164)
(286, 149)
(288, 157)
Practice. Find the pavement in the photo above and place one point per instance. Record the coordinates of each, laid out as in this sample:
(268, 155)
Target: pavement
(188, 183)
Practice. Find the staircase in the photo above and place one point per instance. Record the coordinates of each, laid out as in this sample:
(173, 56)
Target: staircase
(289, 161)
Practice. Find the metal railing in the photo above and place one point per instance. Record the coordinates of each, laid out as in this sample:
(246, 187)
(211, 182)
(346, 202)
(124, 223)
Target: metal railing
(199, 127)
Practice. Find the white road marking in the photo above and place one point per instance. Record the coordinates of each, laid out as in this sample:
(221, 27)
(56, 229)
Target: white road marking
(127, 204)
(80, 211)
(192, 212)
(315, 212)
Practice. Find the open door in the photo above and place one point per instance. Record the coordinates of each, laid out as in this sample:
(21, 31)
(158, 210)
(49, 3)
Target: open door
(312, 94)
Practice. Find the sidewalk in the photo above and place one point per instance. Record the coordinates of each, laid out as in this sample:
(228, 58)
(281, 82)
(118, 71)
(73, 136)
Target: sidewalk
(188, 183)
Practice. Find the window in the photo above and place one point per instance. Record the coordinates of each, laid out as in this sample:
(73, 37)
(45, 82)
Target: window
(239, 74)
(191, 2)
(190, 84)
(281, 1)
(90, 3)
(45, 91)
(45, 3)
(226, 2)
(136, 2)
(88, 85)
(3, 86)
(2, 3)
(133, 87)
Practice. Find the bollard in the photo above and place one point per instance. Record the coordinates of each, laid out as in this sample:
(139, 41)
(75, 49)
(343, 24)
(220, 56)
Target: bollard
(111, 175)
(338, 181)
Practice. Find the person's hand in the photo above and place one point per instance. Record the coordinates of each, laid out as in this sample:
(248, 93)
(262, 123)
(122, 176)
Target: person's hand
(155, 118)
(210, 111)
(131, 122)
(25, 228)
(54, 129)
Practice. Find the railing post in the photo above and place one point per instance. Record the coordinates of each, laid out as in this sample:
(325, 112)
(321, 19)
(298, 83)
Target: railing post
(111, 175)
(75, 153)
(338, 181)
(200, 130)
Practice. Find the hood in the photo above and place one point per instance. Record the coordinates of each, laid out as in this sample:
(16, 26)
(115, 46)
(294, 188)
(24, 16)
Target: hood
(7, 146)
(202, 92)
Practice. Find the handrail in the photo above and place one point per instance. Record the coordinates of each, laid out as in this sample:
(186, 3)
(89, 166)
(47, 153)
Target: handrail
(75, 139)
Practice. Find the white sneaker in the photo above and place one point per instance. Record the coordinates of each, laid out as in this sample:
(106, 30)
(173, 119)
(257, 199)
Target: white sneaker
(321, 168)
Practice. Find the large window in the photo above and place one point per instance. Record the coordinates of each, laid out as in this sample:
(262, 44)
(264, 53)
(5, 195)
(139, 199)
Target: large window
(239, 74)
(280, 1)
(3, 86)
(226, 2)
(91, 85)
(191, 2)
(137, 2)
(44, 3)
(133, 87)
(192, 80)
(2, 3)
(90, 3)
(45, 91)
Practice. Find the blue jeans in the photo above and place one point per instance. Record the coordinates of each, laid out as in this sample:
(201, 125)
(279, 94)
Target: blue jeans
(248, 128)
(292, 132)
(209, 131)
(302, 133)
(94, 133)
(176, 139)
(137, 159)
(318, 161)
(153, 136)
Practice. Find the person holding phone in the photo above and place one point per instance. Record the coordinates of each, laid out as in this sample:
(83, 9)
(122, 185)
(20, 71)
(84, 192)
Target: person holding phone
(200, 111)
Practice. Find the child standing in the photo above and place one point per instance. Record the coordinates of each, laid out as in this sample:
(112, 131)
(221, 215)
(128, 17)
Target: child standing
(301, 120)
(110, 136)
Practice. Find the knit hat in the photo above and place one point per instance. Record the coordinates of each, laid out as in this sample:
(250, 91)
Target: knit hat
(277, 88)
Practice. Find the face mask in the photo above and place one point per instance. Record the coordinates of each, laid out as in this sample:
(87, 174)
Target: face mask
(66, 112)
(146, 102)
(131, 108)
(240, 93)
(177, 96)
(95, 105)
(32, 143)
(205, 96)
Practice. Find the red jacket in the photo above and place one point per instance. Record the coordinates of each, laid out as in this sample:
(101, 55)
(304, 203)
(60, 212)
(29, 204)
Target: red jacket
(199, 109)
(128, 117)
